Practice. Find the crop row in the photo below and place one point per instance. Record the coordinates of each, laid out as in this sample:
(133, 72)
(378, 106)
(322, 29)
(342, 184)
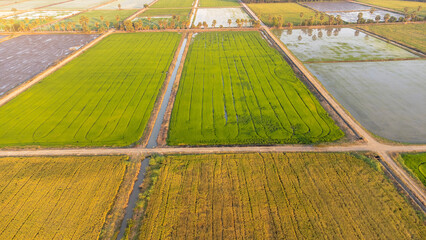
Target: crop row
(236, 89)
(276, 196)
(105, 96)
(57, 198)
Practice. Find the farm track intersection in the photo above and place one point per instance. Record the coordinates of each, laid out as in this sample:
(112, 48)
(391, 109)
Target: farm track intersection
(369, 143)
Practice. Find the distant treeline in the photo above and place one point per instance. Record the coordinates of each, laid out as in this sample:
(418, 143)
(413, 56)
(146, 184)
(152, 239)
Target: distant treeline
(278, 1)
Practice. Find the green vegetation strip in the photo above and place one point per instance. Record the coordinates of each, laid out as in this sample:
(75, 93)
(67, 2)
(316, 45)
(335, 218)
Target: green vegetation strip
(104, 97)
(276, 196)
(173, 4)
(219, 3)
(183, 12)
(236, 89)
(417, 164)
(409, 34)
(289, 12)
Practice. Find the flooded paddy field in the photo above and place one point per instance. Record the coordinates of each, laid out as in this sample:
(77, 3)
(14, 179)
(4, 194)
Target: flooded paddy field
(349, 11)
(221, 15)
(28, 5)
(336, 6)
(338, 44)
(42, 14)
(25, 56)
(2, 14)
(386, 97)
(352, 17)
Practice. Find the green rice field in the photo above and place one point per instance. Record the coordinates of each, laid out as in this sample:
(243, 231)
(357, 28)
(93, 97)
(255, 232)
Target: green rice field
(103, 97)
(412, 35)
(236, 89)
(218, 3)
(173, 4)
(153, 12)
(290, 12)
(417, 164)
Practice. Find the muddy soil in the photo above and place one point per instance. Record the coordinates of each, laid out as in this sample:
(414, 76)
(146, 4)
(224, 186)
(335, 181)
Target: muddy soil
(24, 57)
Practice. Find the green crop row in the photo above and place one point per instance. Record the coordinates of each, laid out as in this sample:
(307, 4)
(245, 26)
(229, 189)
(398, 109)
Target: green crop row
(236, 89)
(104, 97)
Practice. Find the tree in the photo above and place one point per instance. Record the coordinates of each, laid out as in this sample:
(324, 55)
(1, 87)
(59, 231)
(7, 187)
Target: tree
(205, 25)
(119, 6)
(214, 23)
(301, 16)
(117, 17)
(419, 8)
(372, 10)
(322, 18)
(386, 18)
(229, 22)
(129, 25)
(377, 18)
(238, 22)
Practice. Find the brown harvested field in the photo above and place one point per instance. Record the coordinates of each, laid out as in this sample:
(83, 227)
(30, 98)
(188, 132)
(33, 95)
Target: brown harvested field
(24, 57)
(275, 196)
(58, 197)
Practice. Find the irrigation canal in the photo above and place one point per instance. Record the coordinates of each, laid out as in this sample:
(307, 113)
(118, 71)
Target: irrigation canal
(152, 143)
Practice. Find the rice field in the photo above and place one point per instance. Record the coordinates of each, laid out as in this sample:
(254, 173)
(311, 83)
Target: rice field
(173, 4)
(387, 98)
(276, 196)
(28, 5)
(103, 97)
(109, 18)
(160, 17)
(236, 89)
(218, 3)
(399, 5)
(57, 197)
(158, 12)
(222, 17)
(339, 6)
(42, 14)
(352, 17)
(5, 13)
(77, 4)
(338, 44)
(125, 4)
(290, 12)
(409, 34)
(416, 163)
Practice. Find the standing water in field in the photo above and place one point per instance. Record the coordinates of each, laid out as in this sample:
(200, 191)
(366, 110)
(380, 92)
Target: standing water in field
(133, 197)
(388, 98)
(338, 44)
(152, 142)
